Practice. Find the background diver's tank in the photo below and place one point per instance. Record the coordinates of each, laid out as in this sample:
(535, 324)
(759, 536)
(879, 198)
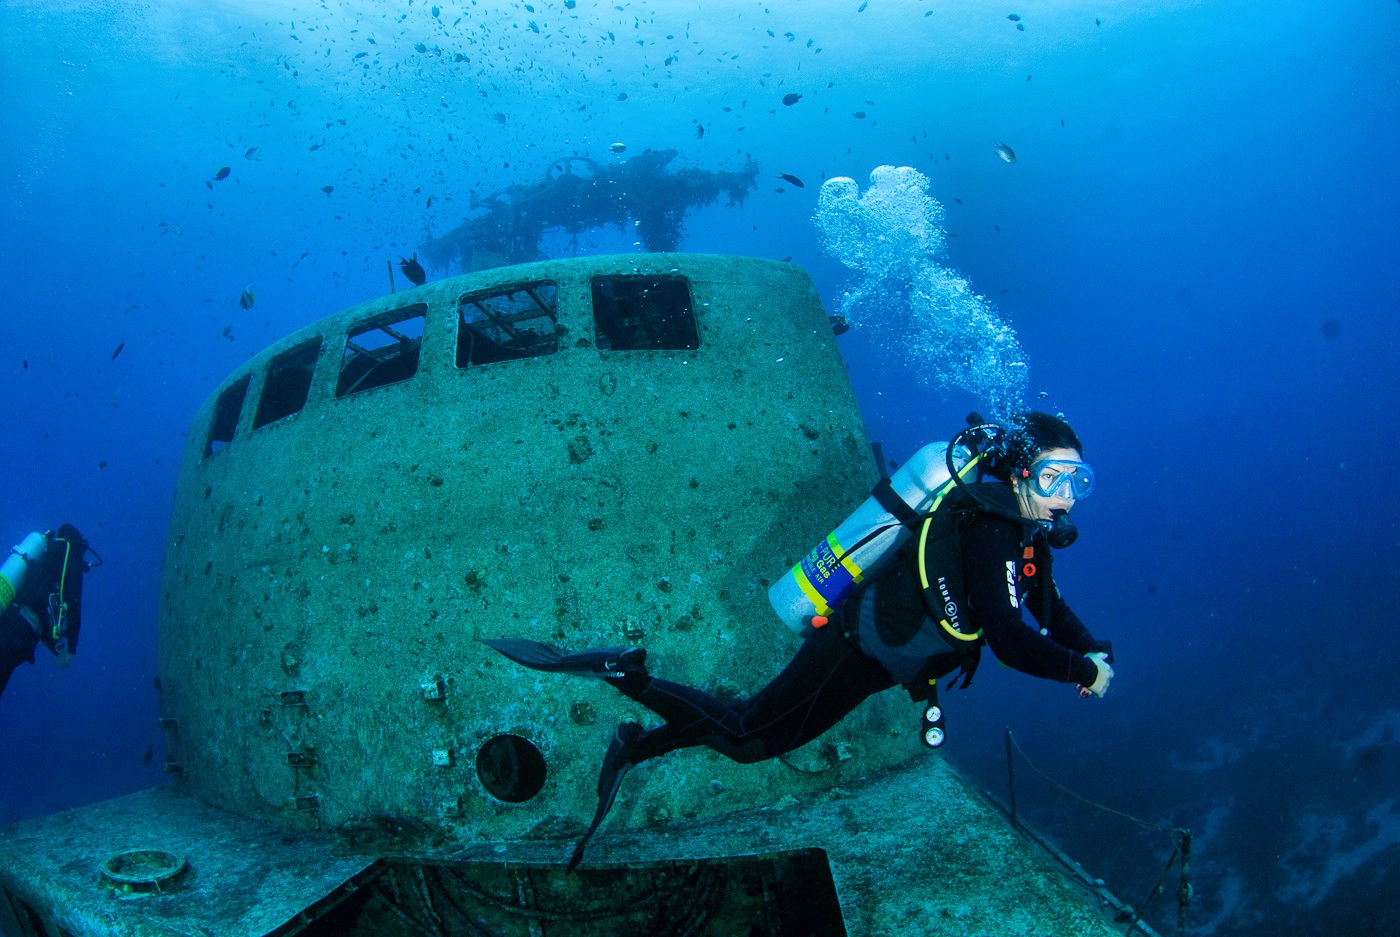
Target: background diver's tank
(607, 450)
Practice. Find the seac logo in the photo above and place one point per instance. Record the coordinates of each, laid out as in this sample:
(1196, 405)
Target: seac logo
(1011, 583)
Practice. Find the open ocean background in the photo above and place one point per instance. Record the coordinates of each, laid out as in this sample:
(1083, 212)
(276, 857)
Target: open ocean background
(1198, 251)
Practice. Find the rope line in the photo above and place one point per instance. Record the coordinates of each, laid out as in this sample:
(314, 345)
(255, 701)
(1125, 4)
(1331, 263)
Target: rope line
(1181, 840)
(1082, 799)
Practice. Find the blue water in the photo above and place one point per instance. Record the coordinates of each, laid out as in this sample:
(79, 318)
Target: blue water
(1200, 263)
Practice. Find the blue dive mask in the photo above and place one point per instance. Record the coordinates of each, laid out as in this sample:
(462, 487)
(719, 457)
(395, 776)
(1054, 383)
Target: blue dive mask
(1062, 478)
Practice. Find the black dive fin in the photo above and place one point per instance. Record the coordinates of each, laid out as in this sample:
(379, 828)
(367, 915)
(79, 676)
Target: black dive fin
(603, 662)
(616, 763)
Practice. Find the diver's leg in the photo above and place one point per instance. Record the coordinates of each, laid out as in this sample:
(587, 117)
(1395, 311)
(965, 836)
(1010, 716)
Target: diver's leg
(825, 680)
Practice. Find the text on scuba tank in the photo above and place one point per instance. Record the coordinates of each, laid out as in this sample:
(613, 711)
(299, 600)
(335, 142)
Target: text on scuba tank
(1011, 583)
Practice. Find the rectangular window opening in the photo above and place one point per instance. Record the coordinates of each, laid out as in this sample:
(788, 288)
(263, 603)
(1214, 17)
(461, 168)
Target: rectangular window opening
(508, 323)
(288, 383)
(226, 414)
(383, 351)
(636, 313)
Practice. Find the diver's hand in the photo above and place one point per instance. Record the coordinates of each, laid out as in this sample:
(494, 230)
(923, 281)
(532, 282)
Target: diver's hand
(1100, 684)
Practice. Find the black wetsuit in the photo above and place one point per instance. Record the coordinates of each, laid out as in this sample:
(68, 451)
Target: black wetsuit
(830, 675)
(17, 643)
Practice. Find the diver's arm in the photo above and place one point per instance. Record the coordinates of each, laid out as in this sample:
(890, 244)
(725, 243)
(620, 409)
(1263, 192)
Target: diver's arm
(990, 547)
(1064, 626)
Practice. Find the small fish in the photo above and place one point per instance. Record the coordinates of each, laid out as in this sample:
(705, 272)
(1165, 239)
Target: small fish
(227, 332)
(328, 189)
(958, 200)
(859, 115)
(251, 153)
(316, 146)
(699, 131)
(617, 147)
(791, 178)
(1007, 154)
(150, 753)
(429, 202)
(780, 190)
(1014, 17)
(1021, 27)
(1097, 22)
(622, 95)
(499, 118)
(24, 363)
(413, 270)
(222, 174)
(997, 226)
(247, 298)
(118, 350)
(861, 8)
(102, 464)
(790, 99)
(1028, 78)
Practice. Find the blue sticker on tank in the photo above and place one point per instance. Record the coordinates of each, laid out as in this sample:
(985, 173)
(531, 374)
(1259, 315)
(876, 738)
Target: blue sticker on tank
(827, 574)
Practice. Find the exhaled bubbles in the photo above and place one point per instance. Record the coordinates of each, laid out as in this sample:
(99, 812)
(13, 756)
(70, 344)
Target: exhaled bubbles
(893, 234)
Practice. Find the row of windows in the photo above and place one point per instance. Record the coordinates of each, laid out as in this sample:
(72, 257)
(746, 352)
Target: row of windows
(630, 313)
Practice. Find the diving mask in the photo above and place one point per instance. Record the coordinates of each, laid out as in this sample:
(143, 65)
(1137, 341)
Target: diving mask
(1061, 478)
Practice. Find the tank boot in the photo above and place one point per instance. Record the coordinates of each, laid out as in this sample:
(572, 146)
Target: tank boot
(616, 763)
(602, 662)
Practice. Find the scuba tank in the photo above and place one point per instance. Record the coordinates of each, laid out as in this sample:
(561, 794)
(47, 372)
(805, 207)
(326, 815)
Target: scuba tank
(826, 576)
(16, 566)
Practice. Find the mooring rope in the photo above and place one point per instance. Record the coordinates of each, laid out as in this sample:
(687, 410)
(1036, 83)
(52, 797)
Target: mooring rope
(1181, 840)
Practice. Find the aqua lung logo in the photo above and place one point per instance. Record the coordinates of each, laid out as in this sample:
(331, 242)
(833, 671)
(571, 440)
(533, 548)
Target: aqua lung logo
(1011, 583)
(950, 608)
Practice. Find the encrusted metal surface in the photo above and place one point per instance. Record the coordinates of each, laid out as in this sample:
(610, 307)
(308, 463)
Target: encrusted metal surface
(321, 571)
(244, 876)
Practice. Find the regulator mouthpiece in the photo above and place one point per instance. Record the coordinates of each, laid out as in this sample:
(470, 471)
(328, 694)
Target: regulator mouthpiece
(1062, 531)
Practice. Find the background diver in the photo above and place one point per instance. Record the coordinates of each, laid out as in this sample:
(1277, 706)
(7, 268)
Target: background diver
(41, 598)
(992, 542)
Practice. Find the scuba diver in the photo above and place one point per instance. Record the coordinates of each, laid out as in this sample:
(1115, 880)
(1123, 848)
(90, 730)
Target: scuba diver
(954, 576)
(41, 598)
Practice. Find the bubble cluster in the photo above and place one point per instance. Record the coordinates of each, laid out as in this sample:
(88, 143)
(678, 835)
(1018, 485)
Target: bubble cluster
(892, 235)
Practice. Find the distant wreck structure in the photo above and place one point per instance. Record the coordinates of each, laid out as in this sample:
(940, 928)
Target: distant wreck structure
(579, 193)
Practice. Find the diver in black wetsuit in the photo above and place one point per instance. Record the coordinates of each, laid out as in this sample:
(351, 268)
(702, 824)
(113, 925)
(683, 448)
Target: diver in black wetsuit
(41, 598)
(883, 635)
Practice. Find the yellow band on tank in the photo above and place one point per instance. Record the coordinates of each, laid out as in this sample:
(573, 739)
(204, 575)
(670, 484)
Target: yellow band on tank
(7, 593)
(810, 591)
